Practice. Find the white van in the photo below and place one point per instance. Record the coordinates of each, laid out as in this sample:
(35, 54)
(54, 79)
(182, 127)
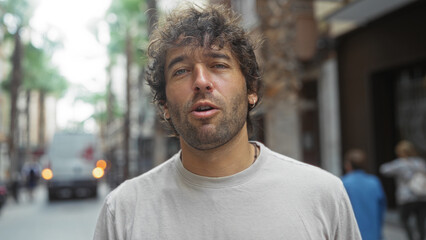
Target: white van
(69, 163)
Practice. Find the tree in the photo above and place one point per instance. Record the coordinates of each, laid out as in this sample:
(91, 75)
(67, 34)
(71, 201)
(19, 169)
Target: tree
(99, 100)
(15, 17)
(128, 32)
(42, 76)
(278, 24)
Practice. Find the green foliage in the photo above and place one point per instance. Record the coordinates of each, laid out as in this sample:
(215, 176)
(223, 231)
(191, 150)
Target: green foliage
(15, 14)
(126, 19)
(98, 99)
(128, 27)
(100, 116)
(39, 74)
(91, 98)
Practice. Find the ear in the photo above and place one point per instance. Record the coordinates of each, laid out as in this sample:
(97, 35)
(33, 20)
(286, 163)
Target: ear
(348, 167)
(252, 98)
(166, 113)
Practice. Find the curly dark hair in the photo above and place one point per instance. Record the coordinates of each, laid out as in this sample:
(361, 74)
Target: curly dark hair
(207, 27)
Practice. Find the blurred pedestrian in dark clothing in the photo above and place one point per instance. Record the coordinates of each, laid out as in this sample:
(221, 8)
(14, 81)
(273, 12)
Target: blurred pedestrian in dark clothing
(14, 185)
(3, 194)
(409, 203)
(31, 171)
(366, 194)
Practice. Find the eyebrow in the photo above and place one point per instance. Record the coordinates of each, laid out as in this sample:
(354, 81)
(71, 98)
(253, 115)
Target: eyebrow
(217, 55)
(175, 60)
(210, 55)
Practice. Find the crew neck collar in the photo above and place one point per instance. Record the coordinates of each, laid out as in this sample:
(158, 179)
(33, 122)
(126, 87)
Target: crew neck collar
(220, 182)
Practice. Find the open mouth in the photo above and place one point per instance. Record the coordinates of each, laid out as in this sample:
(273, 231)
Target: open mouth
(203, 108)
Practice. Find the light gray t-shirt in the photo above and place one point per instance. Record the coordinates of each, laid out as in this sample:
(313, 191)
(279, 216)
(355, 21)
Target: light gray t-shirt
(275, 198)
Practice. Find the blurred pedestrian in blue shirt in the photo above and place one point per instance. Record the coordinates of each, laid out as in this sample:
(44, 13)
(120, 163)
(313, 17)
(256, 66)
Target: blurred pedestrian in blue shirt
(366, 194)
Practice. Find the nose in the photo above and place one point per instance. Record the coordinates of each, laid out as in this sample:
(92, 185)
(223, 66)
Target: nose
(202, 79)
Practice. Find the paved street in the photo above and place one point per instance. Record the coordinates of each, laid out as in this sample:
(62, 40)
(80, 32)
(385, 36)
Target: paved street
(392, 229)
(41, 220)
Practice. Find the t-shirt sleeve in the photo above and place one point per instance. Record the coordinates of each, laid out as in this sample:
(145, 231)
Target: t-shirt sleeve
(391, 168)
(347, 227)
(106, 227)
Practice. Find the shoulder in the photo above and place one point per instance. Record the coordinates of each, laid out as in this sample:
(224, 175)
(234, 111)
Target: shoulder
(392, 166)
(373, 181)
(317, 191)
(372, 178)
(348, 178)
(296, 167)
(141, 187)
(300, 173)
(419, 161)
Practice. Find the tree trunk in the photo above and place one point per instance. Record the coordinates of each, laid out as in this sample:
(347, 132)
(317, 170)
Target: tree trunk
(41, 120)
(110, 98)
(27, 123)
(152, 15)
(280, 65)
(15, 83)
(129, 61)
(105, 133)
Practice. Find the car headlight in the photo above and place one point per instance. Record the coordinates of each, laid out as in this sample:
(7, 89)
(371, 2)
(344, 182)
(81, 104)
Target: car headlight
(47, 174)
(98, 172)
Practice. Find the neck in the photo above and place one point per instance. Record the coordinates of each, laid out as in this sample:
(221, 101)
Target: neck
(228, 159)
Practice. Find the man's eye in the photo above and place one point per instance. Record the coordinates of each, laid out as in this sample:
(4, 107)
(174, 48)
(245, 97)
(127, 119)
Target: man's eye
(219, 65)
(180, 72)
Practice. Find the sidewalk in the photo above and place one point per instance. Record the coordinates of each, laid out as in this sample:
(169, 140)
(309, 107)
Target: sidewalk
(392, 229)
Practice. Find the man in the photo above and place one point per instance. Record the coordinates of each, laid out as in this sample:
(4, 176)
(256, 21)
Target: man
(366, 194)
(205, 78)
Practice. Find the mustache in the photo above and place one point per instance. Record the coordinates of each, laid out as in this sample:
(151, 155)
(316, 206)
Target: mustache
(204, 96)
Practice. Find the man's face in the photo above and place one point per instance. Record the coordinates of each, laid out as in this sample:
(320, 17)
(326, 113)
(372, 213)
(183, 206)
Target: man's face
(206, 96)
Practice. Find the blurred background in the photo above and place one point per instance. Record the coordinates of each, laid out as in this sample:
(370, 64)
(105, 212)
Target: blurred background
(338, 74)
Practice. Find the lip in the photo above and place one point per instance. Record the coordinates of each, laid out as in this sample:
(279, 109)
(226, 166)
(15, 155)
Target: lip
(204, 114)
